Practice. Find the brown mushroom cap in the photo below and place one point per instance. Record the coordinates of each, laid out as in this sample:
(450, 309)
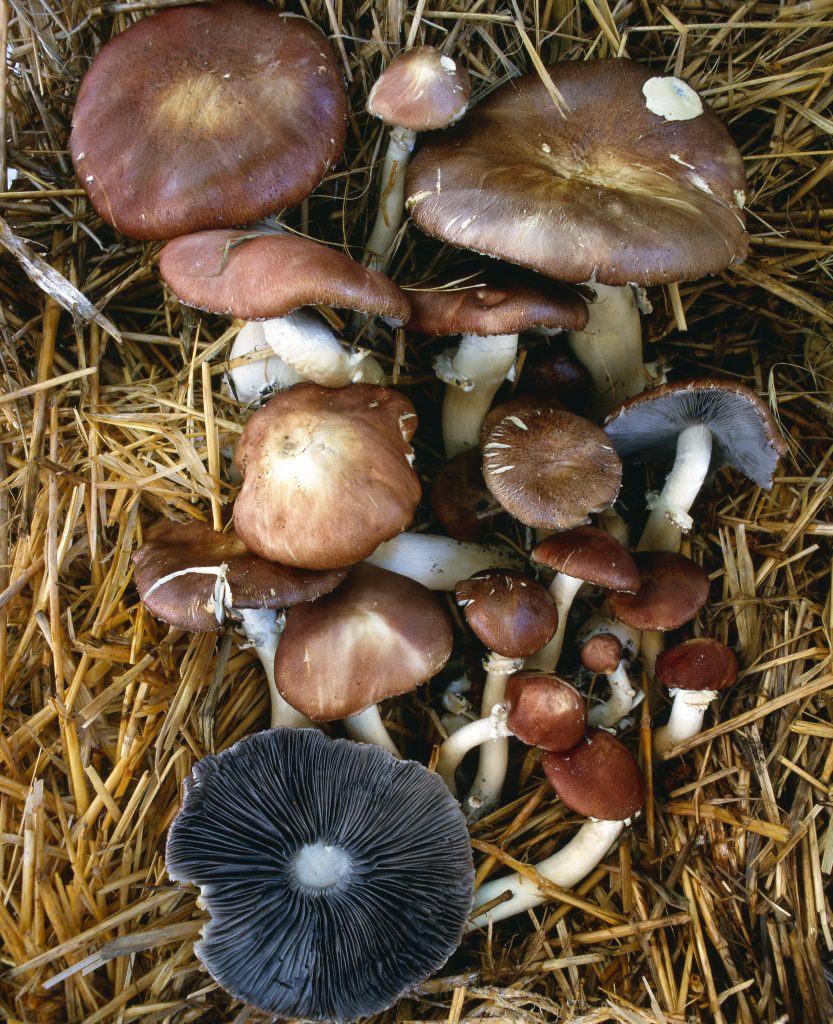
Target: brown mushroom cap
(421, 89)
(601, 653)
(207, 115)
(257, 276)
(596, 187)
(599, 777)
(517, 405)
(508, 612)
(699, 664)
(545, 711)
(379, 635)
(187, 600)
(744, 434)
(550, 469)
(460, 500)
(557, 374)
(590, 554)
(327, 474)
(673, 589)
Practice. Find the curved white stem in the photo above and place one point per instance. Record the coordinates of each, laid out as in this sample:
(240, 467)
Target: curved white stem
(563, 590)
(392, 199)
(439, 563)
(620, 702)
(686, 719)
(257, 377)
(565, 868)
(263, 628)
(455, 748)
(669, 516)
(367, 727)
(472, 374)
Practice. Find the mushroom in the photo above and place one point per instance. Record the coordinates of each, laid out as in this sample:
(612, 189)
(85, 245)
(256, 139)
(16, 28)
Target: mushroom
(439, 563)
(603, 653)
(168, 133)
(460, 501)
(337, 878)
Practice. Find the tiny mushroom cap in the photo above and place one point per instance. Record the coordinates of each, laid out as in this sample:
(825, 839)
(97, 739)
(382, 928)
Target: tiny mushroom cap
(699, 664)
(508, 612)
(743, 432)
(601, 653)
(168, 133)
(178, 554)
(545, 711)
(672, 591)
(421, 89)
(460, 501)
(599, 777)
(590, 554)
(259, 276)
(654, 193)
(327, 474)
(379, 635)
(337, 877)
(551, 469)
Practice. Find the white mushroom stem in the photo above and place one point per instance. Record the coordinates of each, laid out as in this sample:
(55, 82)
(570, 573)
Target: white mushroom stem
(472, 374)
(628, 637)
(686, 719)
(621, 701)
(439, 563)
(262, 371)
(563, 590)
(262, 628)
(611, 522)
(455, 748)
(652, 645)
(484, 795)
(610, 347)
(367, 727)
(566, 868)
(669, 516)
(392, 199)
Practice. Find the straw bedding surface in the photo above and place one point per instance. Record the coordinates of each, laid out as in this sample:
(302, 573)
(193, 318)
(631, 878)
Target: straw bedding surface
(715, 907)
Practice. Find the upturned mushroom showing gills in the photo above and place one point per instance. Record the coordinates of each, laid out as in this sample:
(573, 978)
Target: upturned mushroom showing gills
(337, 877)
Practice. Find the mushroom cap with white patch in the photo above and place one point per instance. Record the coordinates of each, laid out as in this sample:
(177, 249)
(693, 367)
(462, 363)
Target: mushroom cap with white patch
(511, 614)
(421, 89)
(587, 178)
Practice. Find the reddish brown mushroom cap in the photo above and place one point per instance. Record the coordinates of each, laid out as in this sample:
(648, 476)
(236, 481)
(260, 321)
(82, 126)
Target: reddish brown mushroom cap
(550, 469)
(557, 374)
(517, 405)
(187, 600)
(421, 89)
(508, 612)
(205, 115)
(460, 500)
(259, 276)
(595, 187)
(590, 554)
(599, 777)
(545, 711)
(327, 474)
(673, 589)
(601, 653)
(699, 664)
(377, 636)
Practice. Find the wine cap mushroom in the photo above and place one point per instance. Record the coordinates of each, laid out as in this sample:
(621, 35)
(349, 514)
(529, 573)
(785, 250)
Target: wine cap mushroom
(599, 777)
(601, 653)
(381, 635)
(257, 276)
(460, 501)
(327, 474)
(699, 664)
(421, 89)
(509, 613)
(207, 115)
(672, 590)
(590, 554)
(337, 877)
(545, 711)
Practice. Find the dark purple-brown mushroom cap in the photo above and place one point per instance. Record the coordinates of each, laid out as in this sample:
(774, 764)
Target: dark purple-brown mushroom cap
(672, 590)
(508, 612)
(699, 664)
(596, 186)
(257, 276)
(599, 777)
(337, 877)
(327, 474)
(460, 500)
(545, 711)
(421, 89)
(187, 600)
(207, 115)
(590, 554)
(555, 373)
(601, 653)
(381, 635)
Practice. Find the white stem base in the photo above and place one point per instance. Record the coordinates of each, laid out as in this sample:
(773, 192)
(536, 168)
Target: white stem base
(439, 563)
(566, 868)
(686, 720)
(367, 727)
(563, 590)
(392, 200)
(308, 345)
(263, 628)
(652, 646)
(484, 795)
(620, 702)
(455, 748)
(259, 377)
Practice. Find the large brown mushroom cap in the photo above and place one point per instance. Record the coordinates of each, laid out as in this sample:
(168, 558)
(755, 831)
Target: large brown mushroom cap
(590, 554)
(421, 89)
(187, 600)
(327, 474)
(545, 711)
(511, 614)
(672, 590)
(379, 635)
(597, 187)
(699, 664)
(259, 276)
(599, 777)
(205, 115)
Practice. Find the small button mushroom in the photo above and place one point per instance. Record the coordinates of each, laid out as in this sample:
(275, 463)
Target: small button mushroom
(602, 653)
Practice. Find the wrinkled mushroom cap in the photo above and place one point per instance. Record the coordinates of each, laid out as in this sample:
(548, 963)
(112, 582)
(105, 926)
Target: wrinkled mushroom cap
(508, 612)
(421, 89)
(258, 276)
(672, 590)
(744, 434)
(381, 635)
(545, 711)
(599, 777)
(169, 133)
(187, 600)
(550, 469)
(337, 877)
(597, 187)
(327, 474)
(699, 664)
(590, 554)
